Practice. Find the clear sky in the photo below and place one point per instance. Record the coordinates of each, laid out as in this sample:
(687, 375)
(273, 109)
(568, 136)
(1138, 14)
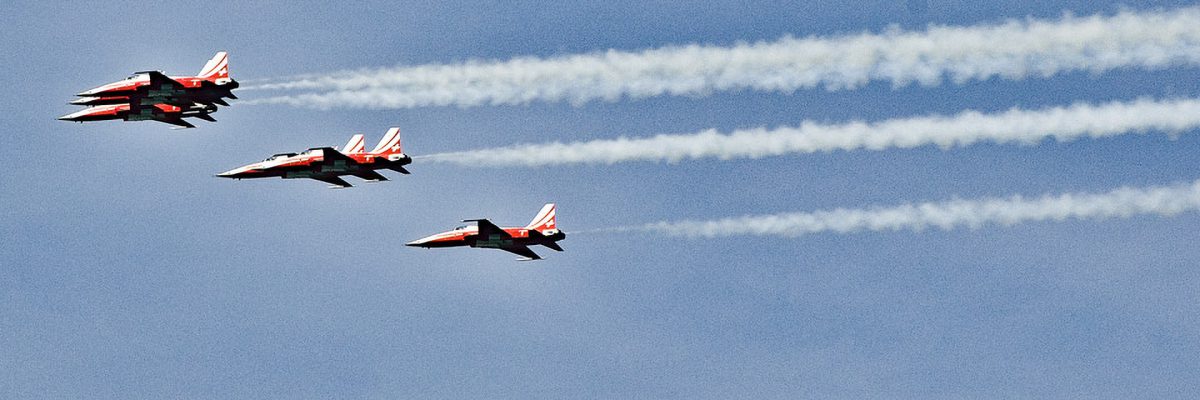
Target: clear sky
(128, 271)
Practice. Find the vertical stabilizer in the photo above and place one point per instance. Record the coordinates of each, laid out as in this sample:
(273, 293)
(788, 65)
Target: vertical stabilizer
(544, 221)
(390, 144)
(216, 68)
(355, 145)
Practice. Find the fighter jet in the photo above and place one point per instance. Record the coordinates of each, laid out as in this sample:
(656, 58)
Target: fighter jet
(151, 95)
(161, 112)
(327, 164)
(484, 234)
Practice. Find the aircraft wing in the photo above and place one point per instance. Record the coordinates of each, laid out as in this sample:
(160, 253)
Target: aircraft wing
(489, 230)
(370, 175)
(331, 155)
(523, 251)
(333, 180)
(158, 81)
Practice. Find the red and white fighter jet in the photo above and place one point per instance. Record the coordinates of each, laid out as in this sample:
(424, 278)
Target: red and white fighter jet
(327, 164)
(484, 234)
(151, 95)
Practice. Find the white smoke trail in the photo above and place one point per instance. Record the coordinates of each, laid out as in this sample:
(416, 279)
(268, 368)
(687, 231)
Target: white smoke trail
(970, 127)
(1011, 50)
(1120, 203)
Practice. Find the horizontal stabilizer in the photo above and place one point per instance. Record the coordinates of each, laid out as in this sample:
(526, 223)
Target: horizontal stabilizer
(553, 245)
(333, 180)
(206, 117)
(178, 122)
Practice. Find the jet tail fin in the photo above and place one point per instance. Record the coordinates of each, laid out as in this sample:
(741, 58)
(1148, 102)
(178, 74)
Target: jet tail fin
(216, 68)
(544, 220)
(390, 144)
(355, 145)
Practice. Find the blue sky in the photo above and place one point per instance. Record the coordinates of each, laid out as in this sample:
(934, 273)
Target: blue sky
(128, 271)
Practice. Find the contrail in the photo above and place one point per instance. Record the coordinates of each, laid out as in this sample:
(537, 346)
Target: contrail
(1013, 126)
(1120, 203)
(1015, 49)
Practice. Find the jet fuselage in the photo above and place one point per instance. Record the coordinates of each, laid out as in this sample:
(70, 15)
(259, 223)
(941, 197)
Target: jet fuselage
(469, 237)
(312, 164)
(156, 112)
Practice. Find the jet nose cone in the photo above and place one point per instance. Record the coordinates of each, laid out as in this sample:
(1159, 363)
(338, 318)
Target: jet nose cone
(418, 243)
(240, 172)
(69, 117)
(82, 102)
(233, 173)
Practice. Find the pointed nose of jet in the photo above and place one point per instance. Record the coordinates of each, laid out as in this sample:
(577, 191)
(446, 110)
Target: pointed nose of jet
(233, 173)
(422, 242)
(73, 116)
(82, 102)
(247, 171)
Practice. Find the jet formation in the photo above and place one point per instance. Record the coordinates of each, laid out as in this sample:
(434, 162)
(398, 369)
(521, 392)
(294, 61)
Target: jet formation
(154, 96)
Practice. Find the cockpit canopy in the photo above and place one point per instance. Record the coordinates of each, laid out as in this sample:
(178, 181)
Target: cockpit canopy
(280, 155)
(137, 77)
(463, 227)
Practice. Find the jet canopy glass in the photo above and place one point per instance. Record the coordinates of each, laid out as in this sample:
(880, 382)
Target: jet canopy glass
(280, 155)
